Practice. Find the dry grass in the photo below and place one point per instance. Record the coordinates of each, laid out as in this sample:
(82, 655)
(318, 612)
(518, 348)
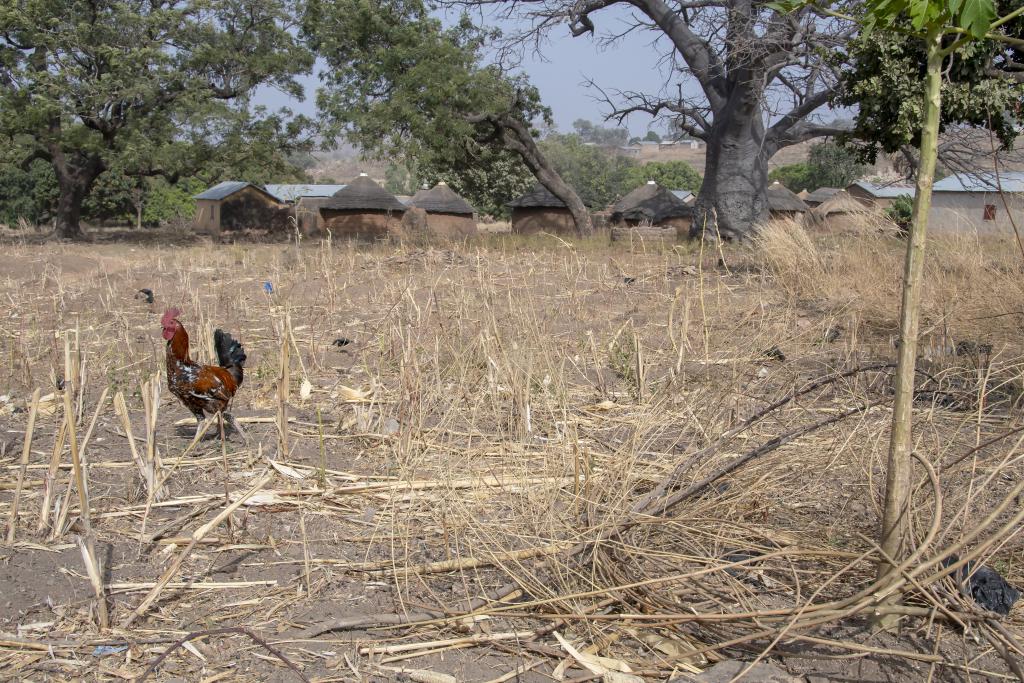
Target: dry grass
(512, 418)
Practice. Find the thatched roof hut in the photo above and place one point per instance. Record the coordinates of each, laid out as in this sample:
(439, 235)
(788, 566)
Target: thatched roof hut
(820, 195)
(783, 202)
(441, 199)
(447, 214)
(651, 204)
(540, 211)
(843, 212)
(362, 209)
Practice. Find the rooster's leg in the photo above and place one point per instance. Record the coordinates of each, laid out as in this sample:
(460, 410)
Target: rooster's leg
(235, 425)
(200, 421)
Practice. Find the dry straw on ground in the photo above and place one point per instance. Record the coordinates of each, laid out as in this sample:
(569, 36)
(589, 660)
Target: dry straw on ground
(535, 458)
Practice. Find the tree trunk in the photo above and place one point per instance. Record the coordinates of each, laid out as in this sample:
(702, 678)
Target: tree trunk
(69, 211)
(733, 198)
(517, 138)
(74, 179)
(895, 532)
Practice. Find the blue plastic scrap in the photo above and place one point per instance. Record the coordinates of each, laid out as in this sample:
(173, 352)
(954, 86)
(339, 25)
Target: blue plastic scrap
(104, 650)
(268, 288)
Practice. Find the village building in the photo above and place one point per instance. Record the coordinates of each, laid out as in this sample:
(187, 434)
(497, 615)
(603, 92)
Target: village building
(980, 201)
(783, 202)
(305, 201)
(813, 199)
(653, 205)
(447, 214)
(688, 197)
(540, 211)
(842, 213)
(878, 195)
(236, 205)
(362, 209)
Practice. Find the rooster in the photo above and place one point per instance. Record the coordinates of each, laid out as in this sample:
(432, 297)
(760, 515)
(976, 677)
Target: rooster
(202, 388)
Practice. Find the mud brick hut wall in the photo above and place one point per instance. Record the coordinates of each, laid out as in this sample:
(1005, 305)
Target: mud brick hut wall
(361, 223)
(447, 214)
(308, 214)
(362, 210)
(540, 211)
(245, 208)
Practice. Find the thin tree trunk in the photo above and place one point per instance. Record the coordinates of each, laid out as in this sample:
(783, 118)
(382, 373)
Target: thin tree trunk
(516, 137)
(138, 198)
(895, 532)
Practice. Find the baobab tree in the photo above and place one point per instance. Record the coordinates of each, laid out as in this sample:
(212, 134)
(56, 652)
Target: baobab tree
(744, 78)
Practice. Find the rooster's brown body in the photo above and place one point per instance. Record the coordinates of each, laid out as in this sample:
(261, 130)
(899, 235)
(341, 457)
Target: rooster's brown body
(203, 389)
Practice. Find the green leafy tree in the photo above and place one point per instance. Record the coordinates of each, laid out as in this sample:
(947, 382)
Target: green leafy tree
(828, 165)
(399, 179)
(980, 88)
(28, 194)
(488, 183)
(171, 203)
(674, 175)
(399, 84)
(91, 85)
(833, 165)
(796, 177)
(599, 176)
(901, 211)
(652, 136)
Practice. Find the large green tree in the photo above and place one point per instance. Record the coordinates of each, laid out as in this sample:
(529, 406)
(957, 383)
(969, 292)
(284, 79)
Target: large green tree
(598, 175)
(674, 175)
(399, 84)
(829, 164)
(147, 87)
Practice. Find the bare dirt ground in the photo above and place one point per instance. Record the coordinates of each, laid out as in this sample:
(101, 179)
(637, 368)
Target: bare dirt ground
(533, 460)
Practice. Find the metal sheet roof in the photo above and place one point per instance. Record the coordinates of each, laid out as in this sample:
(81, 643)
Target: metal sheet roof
(682, 194)
(982, 181)
(886, 191)
(289, 193)
(222, 190)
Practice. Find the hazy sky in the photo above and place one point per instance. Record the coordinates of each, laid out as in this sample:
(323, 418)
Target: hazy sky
(630, 65)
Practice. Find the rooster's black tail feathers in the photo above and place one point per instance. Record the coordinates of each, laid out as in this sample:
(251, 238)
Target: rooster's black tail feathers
(230, 354)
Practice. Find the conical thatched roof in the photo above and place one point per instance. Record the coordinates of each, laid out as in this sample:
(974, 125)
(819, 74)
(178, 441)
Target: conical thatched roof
(537, 198)
(650, 202)
(364, 194)
(820, 195)
(803, 194)
(441, 199)
(781, 198)
(840, 202)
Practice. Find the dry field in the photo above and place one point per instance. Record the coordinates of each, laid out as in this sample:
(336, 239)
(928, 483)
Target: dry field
(535, 460)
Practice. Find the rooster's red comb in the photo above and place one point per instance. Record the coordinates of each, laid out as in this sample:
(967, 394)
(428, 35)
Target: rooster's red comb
(169, 316)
